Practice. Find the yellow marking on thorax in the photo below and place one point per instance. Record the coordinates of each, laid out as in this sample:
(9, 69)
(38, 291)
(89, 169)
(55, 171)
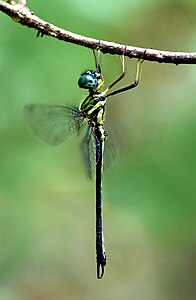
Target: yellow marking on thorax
(97, 105)
(100, 117)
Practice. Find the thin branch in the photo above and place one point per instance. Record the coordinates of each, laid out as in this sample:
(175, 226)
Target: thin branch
(21, 14)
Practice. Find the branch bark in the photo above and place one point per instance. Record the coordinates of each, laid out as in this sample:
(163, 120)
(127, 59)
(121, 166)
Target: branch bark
(21, 14)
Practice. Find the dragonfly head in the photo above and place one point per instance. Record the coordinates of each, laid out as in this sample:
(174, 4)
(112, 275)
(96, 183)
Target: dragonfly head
(90, 80)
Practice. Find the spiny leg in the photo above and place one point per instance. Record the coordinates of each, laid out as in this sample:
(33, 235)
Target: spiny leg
(98, 67)
(134, 83)
(122, 73)
(122, 58)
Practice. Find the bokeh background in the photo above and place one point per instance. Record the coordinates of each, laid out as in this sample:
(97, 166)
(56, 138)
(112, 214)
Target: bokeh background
(47, 204)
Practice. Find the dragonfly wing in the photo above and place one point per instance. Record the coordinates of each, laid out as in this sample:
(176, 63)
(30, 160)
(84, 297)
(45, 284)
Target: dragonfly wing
(88, 147)
(112, 149)
(52, 124)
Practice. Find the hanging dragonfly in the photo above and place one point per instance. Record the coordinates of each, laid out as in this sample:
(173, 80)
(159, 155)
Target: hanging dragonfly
(52, 124)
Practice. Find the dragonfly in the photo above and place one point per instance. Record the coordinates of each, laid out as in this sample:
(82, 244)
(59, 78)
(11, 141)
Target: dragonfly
(53, 124)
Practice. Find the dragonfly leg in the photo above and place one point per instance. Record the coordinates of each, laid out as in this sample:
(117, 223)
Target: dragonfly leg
(98, 66)
(97, 60)
(122, 58)
(134, 83)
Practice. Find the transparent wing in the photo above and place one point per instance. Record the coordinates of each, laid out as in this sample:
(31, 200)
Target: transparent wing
(88, 147)
(52, 124)
(112, 150)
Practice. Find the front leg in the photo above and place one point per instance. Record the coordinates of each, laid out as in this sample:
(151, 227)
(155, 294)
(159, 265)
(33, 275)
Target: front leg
(119, 78)
(134, 83)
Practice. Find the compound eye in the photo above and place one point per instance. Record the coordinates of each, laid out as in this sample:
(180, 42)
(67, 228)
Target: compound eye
(88, 80)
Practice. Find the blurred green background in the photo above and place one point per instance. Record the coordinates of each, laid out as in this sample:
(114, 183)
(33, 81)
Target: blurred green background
(47, 218)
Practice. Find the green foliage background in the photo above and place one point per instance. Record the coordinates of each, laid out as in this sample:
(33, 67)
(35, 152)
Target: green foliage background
(47, 204)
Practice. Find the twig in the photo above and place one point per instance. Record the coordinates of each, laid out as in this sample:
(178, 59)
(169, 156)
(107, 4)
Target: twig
(21, 14)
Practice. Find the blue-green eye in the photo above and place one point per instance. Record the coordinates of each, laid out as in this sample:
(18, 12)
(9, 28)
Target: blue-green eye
(89, 80)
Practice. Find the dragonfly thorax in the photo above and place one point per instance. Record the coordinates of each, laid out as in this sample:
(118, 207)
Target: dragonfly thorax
(92, 102)
(90, 80)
